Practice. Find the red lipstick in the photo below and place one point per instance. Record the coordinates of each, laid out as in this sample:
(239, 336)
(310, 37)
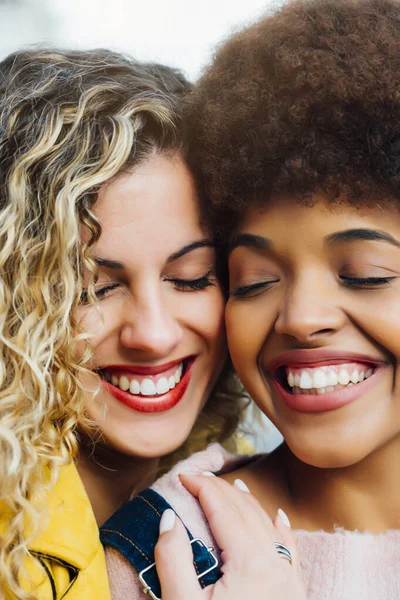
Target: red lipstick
(152, 404)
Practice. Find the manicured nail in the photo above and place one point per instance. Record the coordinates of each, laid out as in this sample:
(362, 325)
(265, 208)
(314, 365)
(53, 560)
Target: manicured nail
(284, 517)
(208, 474)
(241, 485)
(167, 521)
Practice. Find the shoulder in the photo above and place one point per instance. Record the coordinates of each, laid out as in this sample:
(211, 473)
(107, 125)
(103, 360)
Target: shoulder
(266, 478)
(124, 582)
(215, 459)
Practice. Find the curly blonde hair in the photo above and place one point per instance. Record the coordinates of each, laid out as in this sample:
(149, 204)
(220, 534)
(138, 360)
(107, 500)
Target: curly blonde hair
(69, 122)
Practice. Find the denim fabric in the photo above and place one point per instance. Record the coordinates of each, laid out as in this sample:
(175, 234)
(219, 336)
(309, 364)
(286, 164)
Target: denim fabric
(133, 530)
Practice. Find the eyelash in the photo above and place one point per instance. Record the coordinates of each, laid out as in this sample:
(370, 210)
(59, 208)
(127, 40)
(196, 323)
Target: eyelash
(192, 285)
(353, 282)
(99, 294)
(246, 289)
(183, 285)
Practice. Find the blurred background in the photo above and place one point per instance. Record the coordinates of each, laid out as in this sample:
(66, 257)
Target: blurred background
(180, 33)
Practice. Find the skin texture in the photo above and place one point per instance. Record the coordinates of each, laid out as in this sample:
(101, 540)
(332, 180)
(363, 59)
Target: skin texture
(239, 525)
(146, 216)
(349, 455)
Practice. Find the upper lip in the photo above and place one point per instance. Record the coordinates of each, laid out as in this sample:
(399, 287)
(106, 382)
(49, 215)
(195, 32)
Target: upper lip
(145, 370)
(308, 358)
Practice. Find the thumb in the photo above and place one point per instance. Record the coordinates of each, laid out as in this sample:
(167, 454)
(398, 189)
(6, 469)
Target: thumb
(174, 560)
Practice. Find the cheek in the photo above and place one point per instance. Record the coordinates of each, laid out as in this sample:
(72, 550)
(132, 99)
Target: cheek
(204, 314)
(89, 319)
(379, 318)
(248, 325)
(98, 322)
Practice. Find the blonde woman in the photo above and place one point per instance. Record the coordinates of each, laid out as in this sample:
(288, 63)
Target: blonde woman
(111, 325)
(113, 355)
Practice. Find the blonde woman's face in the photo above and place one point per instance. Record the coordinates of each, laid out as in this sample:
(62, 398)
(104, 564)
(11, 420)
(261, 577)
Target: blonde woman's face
(159, 340)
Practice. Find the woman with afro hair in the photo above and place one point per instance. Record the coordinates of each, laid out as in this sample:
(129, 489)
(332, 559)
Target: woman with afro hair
(294, 137)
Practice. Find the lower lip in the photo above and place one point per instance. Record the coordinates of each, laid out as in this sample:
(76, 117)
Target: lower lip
(310, 403)
(151, 404)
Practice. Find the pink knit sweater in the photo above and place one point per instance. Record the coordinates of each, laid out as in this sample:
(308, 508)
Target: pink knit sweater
(340, 566)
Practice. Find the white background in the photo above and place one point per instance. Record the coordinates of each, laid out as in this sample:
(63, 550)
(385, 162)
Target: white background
(177, 32)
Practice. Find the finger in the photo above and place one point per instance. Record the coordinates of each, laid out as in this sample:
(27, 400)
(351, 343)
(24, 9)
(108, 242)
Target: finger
(198, 486)
(193, 486)
(286, 536)
(174, 560)
(231, 513)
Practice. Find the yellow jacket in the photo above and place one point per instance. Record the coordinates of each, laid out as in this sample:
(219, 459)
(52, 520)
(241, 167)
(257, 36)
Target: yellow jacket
(69, 561)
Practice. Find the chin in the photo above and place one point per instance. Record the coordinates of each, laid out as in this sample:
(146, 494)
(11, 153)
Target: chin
(335, 453)
(133, 445)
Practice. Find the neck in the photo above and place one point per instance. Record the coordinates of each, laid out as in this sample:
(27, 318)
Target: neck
(111, 477)
(363, 497)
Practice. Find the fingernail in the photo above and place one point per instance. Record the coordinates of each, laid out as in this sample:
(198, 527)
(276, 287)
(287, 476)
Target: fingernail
(241, 485)
(208, 474)
(167, 521)
(284, 517)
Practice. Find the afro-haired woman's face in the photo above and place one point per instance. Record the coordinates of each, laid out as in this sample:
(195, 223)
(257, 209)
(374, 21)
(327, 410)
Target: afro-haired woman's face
(313, 324)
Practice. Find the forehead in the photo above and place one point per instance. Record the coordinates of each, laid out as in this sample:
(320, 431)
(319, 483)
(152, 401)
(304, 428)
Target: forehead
(153, 207)
(287, 219)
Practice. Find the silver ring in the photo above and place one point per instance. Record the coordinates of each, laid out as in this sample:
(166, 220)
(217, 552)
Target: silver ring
(283, 551)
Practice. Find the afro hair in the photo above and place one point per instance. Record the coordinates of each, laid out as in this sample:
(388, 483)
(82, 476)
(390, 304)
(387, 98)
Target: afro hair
(306, 99)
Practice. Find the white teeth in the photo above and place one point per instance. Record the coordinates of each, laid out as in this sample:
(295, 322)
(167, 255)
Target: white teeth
(332, 378)
(134, 387)
(162, 386)
(322, 380)
(178, 374)
(344, 377)
(354, 376)
(124, 383)
(319, 379)
(148, 388)
(305, 381)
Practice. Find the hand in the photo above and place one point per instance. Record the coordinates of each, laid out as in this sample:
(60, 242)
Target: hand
(244, 533)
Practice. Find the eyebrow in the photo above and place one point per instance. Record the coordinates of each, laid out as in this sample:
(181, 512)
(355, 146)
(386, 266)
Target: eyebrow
(249, 240)
(189, 248)
(369, 235)
(109, 264)
(116, 265)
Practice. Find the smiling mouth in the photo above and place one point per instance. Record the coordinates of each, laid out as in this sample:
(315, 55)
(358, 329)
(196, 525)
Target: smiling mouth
(146, 386)
(322, 379)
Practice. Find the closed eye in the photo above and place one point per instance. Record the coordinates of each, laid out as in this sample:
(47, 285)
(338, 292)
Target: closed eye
(99, 294)
(248, 290)
(193, 285)
(354, 282)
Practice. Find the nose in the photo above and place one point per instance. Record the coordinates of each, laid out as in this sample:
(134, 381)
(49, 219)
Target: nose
(309, 311)
(151, 327)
